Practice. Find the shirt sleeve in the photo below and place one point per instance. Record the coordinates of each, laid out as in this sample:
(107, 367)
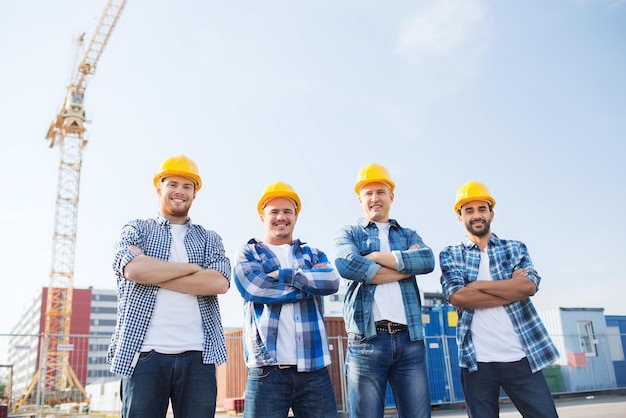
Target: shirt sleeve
(415, 261)
(216, 255)
(452, 277)
(526, 262)
(350, 263)
(319, 282)
(122, 255)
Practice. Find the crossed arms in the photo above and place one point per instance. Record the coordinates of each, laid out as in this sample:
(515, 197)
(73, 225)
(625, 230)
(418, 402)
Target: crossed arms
(488, 294)
(466, 292)
(355, 262)
(181, 277)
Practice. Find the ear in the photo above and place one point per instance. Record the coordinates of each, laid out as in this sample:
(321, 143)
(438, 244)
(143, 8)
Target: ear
(391, 196)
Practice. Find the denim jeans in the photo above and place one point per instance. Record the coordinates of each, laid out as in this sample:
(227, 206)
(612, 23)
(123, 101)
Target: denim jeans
(528, 391)
(387, 357)
(271, 391)
(158, 378)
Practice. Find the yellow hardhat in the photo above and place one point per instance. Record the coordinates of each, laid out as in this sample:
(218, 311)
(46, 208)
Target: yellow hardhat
(179, 165)
(373, 173)
(278, 189)
(473, 190)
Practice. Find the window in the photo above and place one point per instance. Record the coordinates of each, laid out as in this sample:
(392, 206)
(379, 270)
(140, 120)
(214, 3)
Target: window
(585, 336)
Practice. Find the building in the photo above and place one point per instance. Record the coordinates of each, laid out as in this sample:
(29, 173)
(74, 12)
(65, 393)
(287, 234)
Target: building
(92, 323)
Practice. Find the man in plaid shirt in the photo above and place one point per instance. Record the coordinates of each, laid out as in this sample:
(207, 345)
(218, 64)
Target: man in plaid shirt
(282, 281)
(381, 260)
(502, 341)
(169, 337)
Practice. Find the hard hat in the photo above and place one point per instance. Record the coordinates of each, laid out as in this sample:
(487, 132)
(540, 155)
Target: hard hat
(179, 165)
(473, 190)
(278, 189)
(373, 173)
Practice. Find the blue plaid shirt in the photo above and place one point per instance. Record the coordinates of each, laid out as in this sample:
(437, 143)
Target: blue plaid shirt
(352, 243)
(264, 297)
(459, 265)
(136, 301)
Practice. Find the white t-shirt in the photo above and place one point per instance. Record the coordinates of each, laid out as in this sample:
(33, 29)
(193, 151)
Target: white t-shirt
(492, 331)
(388, 304)
(176, 324)
(286, 352)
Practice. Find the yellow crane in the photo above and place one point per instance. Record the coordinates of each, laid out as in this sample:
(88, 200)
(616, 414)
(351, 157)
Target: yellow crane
(55, 380)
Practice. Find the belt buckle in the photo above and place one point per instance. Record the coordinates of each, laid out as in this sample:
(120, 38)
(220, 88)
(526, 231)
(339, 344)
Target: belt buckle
(389, 329)
(285, 366)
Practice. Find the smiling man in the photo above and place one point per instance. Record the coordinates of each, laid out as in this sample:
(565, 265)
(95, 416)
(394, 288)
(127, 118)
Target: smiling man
(282, 281)
(169, 337)
(502, 341)
(382, 307)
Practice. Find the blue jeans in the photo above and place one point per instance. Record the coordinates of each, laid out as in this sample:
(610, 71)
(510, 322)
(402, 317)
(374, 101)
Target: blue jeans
(528, 391)
(271, 391)
(387, 357)
(158, 378)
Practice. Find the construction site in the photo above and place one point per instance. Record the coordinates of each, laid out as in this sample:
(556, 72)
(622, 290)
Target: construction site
(55, 364)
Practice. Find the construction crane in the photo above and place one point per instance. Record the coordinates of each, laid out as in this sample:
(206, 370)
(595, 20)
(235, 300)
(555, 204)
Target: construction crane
(55, 380)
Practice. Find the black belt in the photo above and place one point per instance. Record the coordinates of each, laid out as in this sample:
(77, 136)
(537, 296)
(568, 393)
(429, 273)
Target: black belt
(390, 327)
(283, 366)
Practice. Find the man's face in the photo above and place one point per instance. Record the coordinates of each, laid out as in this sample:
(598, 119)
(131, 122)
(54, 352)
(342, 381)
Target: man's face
(376, 199)
(279, 218)
(476, 216)
(176, 193)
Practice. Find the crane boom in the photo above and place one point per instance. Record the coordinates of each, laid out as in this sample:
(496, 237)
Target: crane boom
(55, 380)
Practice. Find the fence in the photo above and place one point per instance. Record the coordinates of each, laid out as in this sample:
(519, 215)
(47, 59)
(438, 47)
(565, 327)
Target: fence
(21, 355)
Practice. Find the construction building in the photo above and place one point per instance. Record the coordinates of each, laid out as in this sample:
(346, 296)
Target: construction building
(93, 322)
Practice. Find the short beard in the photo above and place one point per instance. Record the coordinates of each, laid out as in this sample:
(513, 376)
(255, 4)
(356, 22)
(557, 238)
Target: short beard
(479, 233)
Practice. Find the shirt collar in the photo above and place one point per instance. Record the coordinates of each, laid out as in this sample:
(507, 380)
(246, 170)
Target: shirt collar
(365, 223)
(296, 242)
(162, 220)
(494, 240)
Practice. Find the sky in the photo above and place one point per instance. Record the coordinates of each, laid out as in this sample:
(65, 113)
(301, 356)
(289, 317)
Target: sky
(526, 97)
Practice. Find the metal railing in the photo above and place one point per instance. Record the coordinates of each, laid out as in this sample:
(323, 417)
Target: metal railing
(601, 367)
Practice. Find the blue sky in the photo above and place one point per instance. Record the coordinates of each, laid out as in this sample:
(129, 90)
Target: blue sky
(527, 97)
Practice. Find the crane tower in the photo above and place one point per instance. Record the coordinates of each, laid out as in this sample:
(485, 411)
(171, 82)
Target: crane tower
(55, 380)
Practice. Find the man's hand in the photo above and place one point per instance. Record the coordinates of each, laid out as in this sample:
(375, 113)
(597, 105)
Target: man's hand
(321, 266)
(135, 250)
(520, 274)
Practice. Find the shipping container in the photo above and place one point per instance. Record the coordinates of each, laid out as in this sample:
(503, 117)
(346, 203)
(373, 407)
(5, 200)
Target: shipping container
(580, 334)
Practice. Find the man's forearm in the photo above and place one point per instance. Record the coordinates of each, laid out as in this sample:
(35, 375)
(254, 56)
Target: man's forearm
(468, 297)
(512, 289)
(387, 275)
(385, 259)
(149, 270)
(204, 282)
